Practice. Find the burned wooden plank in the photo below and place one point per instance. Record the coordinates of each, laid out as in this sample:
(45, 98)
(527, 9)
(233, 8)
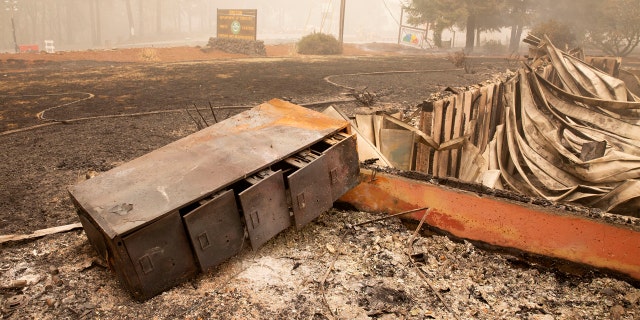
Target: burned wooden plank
(39, 233)
(449, 121)
(458, 129)
(366, 128)
(481, 106)
(436, 133)
(422, 161)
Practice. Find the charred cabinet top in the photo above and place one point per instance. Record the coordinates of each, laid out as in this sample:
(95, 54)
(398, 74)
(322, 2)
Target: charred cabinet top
(158, 183)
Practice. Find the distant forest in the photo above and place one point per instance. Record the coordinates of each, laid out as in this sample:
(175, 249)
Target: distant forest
(82, 24)
(87, 23)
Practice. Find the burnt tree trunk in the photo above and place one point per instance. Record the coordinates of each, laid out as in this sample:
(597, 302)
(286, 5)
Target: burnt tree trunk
(132, 30)
(437, 35)
(516, 34)
(471, 28)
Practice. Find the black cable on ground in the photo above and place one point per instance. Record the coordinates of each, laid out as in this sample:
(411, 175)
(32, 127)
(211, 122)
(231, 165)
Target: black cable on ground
(42, 114)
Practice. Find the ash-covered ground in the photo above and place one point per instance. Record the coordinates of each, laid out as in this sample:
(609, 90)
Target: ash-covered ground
(326, 270)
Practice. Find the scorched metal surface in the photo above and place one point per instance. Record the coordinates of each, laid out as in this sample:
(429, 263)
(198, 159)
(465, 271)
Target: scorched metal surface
(186, 170)
(159, 218)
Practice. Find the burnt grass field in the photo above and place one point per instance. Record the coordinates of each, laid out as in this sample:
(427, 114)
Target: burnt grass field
(38, 164)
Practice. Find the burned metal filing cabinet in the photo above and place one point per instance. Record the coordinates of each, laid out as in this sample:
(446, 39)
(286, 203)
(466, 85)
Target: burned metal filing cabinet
(181, 209)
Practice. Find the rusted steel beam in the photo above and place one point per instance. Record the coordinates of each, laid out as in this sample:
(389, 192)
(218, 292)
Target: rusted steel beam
(501, 222)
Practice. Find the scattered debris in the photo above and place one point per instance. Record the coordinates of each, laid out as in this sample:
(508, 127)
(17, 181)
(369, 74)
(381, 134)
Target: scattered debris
(511, 222)
(40, 233)
(395, 215)
(365, 97)
(369, 278)
(14, 302)
(372, 274)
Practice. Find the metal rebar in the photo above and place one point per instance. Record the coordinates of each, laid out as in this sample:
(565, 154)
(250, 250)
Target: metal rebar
(213, 113)
(389, 217)
(193, 119)
(198, 111)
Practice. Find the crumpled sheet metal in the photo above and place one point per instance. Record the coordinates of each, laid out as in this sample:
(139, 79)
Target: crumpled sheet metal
(555, 114)
(560, 129)
(535, 229)
(550, 114)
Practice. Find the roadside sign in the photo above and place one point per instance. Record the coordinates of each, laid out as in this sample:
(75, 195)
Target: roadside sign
(238, 24)
(412, 37)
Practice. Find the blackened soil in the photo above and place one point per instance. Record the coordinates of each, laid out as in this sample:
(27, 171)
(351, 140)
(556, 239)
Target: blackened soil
(37, 165)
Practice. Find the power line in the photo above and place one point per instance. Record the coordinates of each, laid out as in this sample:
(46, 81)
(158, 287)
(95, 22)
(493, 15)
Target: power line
(326, 13)
(390, 13)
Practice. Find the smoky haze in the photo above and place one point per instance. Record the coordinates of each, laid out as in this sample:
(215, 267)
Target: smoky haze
(84, 24)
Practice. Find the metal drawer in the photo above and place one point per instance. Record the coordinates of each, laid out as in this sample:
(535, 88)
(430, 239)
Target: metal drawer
(215, 230)
(265, 208)
(342, 163)
(309, 187)
(161, 255)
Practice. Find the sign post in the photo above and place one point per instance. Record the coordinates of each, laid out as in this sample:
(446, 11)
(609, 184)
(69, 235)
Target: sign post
(12, 6)
(341, 35)
(237, 24)
(411, 36)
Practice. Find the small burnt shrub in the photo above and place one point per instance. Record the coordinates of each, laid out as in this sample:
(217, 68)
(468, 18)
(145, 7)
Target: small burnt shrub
(319, 43)
(459, 59)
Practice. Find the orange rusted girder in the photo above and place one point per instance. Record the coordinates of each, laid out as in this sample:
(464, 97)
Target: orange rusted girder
(505, 223)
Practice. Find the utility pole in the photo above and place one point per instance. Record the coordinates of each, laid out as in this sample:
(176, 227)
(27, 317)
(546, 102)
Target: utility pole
(12, 6)
(401, 24)
(132, 30)
(342, 7)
